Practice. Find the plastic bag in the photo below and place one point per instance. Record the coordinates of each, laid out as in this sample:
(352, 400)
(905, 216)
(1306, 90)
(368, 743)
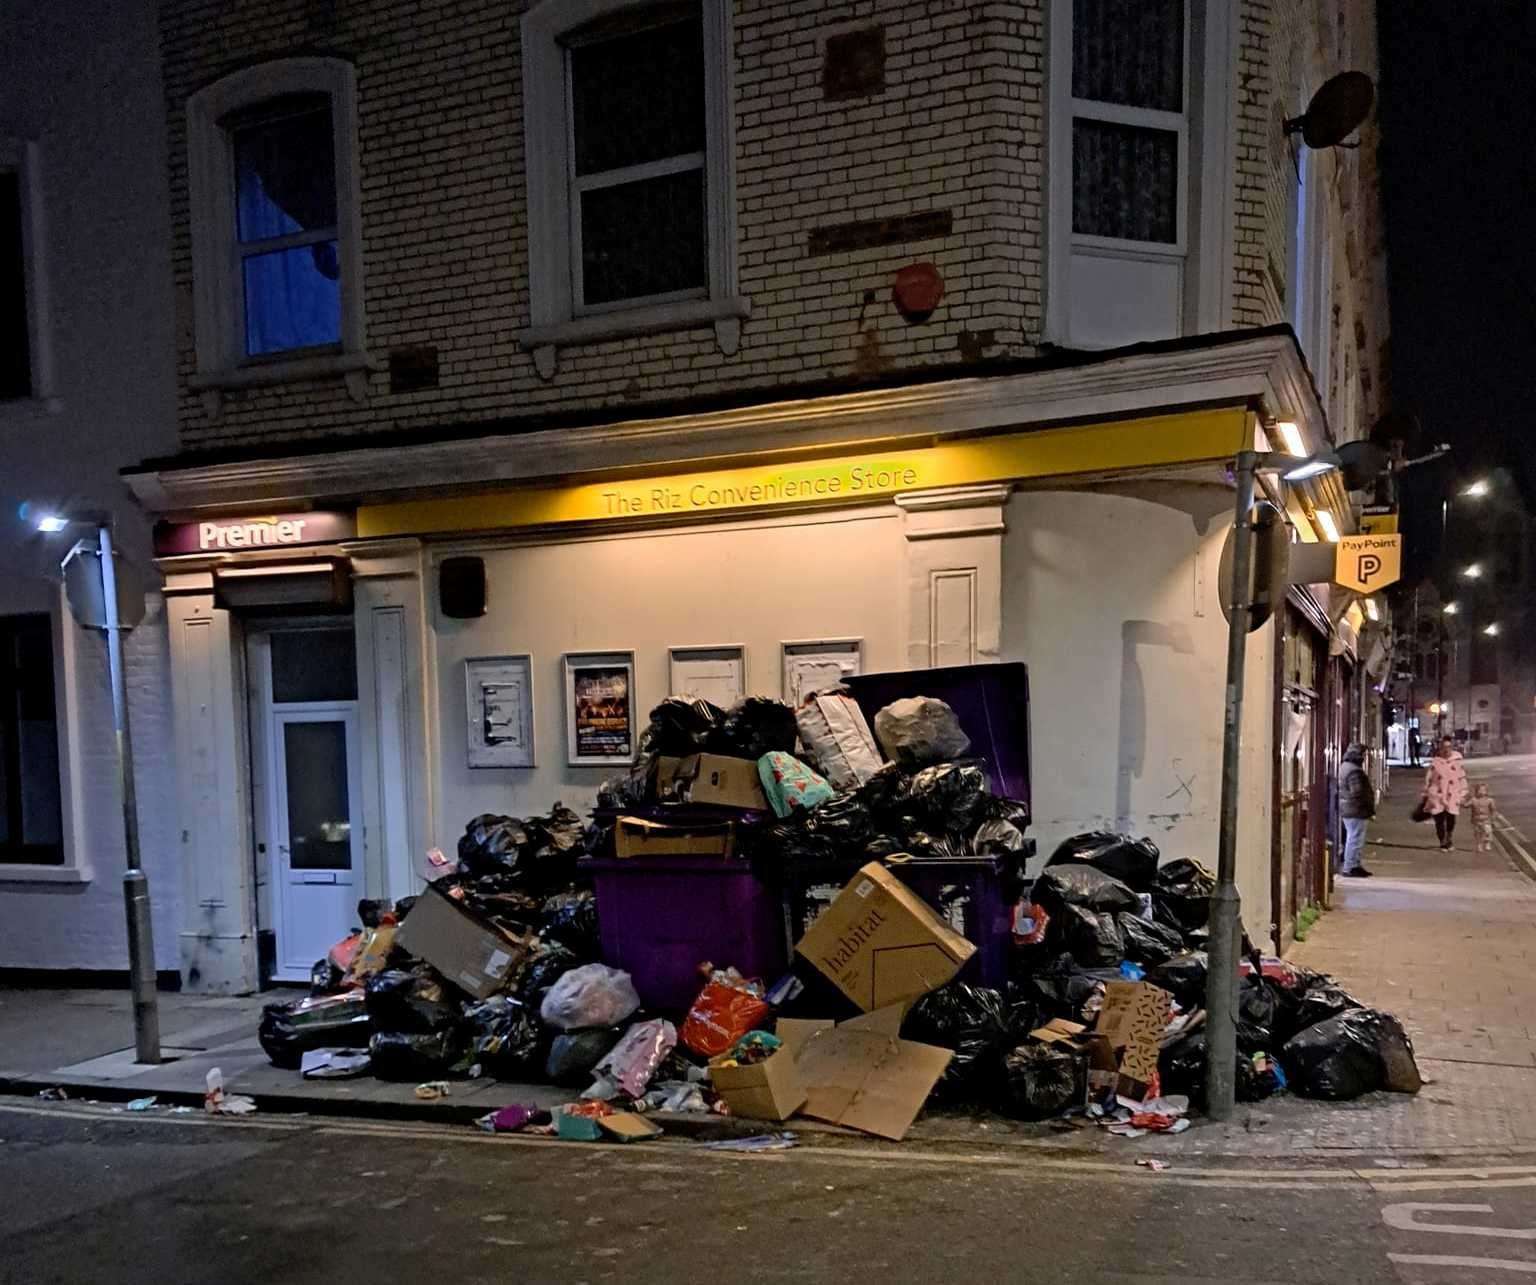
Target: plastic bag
(1182, 1069)
(1132, 861)
(505, 1037)
(1062, 886)
(679, 728)
(844, 823)
(1356, 1052)
(973, 1021)
(790, 785)
(414, 1002)
(920, 730)
(722, 1014)
(1181, 895)
(754, 727)
(406, 1055)
(1321, 1002)
(573, 1054)
(1146, 942)
(1062, 989)
(288, 1031)
(570, 920)
(1093, 937)
(592, 995)
(1043, 1079)
(837, 739)
(886, 794)
(998, 838)
(950, 796)
(1183, 977)
(492, 844)
(628, 1067)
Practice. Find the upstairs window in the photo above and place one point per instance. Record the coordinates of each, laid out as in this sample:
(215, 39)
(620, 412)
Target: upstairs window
(276, 235)
(31, 818)
(1129, 125)
(15, 319)
(637, 147)
(285, 231)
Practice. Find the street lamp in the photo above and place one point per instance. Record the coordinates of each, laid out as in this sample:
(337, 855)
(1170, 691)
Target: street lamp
(1492, 630)
(1477, 489)
(1450, 608)
(1225, 941)
(141, 946)
(1472, 571)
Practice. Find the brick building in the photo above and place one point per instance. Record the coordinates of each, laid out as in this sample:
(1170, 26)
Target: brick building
(733, 341)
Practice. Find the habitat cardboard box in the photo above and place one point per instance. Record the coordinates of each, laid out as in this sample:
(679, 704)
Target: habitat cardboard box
(861, 1074)
(767, 1090)
(880, 943)
(464, 948)
(711, 778)
(637, 837)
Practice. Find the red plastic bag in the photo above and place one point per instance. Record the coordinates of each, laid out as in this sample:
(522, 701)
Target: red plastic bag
(720, 1016)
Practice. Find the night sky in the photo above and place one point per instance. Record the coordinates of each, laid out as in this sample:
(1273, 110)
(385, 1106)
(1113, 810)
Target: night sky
(1458, 114)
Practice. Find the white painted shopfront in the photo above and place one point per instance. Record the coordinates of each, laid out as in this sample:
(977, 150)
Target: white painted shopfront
(1087, 551)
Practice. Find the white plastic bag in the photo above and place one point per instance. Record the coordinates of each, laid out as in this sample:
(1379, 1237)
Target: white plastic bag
(838, 739)
(920, 730)
(592, 995)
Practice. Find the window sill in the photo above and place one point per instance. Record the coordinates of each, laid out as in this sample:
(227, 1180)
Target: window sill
(350, 366)
(44, 874)
(726, 315)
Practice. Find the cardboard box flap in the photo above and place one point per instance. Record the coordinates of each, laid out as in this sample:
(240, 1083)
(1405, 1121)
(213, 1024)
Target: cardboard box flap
(1057, 1030)
(865, 1080)
(637, 836)
(1132, 1021)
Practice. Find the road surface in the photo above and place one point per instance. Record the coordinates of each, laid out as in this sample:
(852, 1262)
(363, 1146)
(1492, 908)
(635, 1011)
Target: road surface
(1512, 780)
(97, 1196)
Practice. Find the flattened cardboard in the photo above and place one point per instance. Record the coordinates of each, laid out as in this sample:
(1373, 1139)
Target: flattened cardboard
(637, 837)
(471, 953)
(626, 1126)
(374, 952)
(1133, 1019)
(769, 1090)
(711, 778)
(1057, 1031)
(861, 1075)
(880, 943)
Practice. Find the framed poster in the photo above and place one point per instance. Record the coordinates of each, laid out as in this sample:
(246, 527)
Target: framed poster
(498, 692)
(714, 674)
(820, 663)
(600, 708)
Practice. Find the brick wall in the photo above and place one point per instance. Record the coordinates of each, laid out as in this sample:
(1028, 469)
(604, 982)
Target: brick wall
(959, 127)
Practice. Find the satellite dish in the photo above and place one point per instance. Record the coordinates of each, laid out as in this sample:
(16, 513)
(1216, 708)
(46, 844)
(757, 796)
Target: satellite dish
(1336, 111)
(1363, 462)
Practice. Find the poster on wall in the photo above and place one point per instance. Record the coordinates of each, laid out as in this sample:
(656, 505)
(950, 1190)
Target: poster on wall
(600, 708)
(714, 674)
(499, 697)
(814, 666)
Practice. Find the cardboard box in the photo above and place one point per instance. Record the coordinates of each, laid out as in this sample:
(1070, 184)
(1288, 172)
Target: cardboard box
(880, 943)
(626, 1126)
(471, 953)
(769, 1090)
(637, 837)
(1057, 1031)
(373, 953)
(861, 1074)
(711, 778)
(1132, 1022)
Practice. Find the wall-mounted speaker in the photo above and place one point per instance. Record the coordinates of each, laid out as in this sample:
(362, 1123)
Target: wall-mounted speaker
(461, 587)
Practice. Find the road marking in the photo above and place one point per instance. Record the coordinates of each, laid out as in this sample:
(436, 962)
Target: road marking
(1455, 1260)
(1508, 842)
(1404, 1217)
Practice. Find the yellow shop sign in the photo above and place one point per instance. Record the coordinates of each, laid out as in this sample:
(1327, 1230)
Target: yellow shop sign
(849, 479)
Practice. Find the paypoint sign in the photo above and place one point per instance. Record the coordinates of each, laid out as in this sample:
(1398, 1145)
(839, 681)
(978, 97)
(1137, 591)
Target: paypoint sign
(1366, 563)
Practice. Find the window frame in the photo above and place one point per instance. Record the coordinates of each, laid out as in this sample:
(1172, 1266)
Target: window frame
(23, 157)
(556, 316)
(217, 258)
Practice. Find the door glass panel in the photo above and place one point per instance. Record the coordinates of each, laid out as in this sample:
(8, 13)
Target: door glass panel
(313, 665)
(319, 825)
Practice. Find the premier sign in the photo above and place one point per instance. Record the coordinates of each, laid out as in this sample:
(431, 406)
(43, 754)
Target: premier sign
(232, 535)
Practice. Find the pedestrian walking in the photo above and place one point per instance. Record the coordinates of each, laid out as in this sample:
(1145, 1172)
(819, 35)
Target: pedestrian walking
(1483, 808)
(1357, 805)
(1445, 789)
(1414, 742)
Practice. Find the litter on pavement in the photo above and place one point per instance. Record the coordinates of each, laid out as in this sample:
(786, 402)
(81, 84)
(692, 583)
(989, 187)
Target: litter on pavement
(817, 912)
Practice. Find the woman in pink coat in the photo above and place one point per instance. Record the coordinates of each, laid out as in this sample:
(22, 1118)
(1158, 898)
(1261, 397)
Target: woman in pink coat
(1445, 786)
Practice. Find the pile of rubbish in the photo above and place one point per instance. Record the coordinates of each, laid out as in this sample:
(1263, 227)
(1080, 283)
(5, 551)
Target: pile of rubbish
(1078, 994)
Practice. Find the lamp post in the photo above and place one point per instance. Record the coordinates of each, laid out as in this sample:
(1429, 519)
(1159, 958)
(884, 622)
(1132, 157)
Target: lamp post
(141, 946)
(1226, 905)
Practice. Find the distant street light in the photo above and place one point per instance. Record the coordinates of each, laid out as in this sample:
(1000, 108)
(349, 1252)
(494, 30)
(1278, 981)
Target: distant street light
(1492, 630)
(1478, 489)
(1450, 608)
(141, 947)
(1473, 571)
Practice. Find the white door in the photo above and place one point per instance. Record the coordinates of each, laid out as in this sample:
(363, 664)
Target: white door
(317, 786)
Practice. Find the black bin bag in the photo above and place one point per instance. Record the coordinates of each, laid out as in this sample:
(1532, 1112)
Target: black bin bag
(1062, 886)
(1043, 1080)
(1132, 861)
(1358, 1051)
(975, 1022)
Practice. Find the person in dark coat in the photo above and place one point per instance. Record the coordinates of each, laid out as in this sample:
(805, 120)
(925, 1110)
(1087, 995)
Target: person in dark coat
(1357, 805)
